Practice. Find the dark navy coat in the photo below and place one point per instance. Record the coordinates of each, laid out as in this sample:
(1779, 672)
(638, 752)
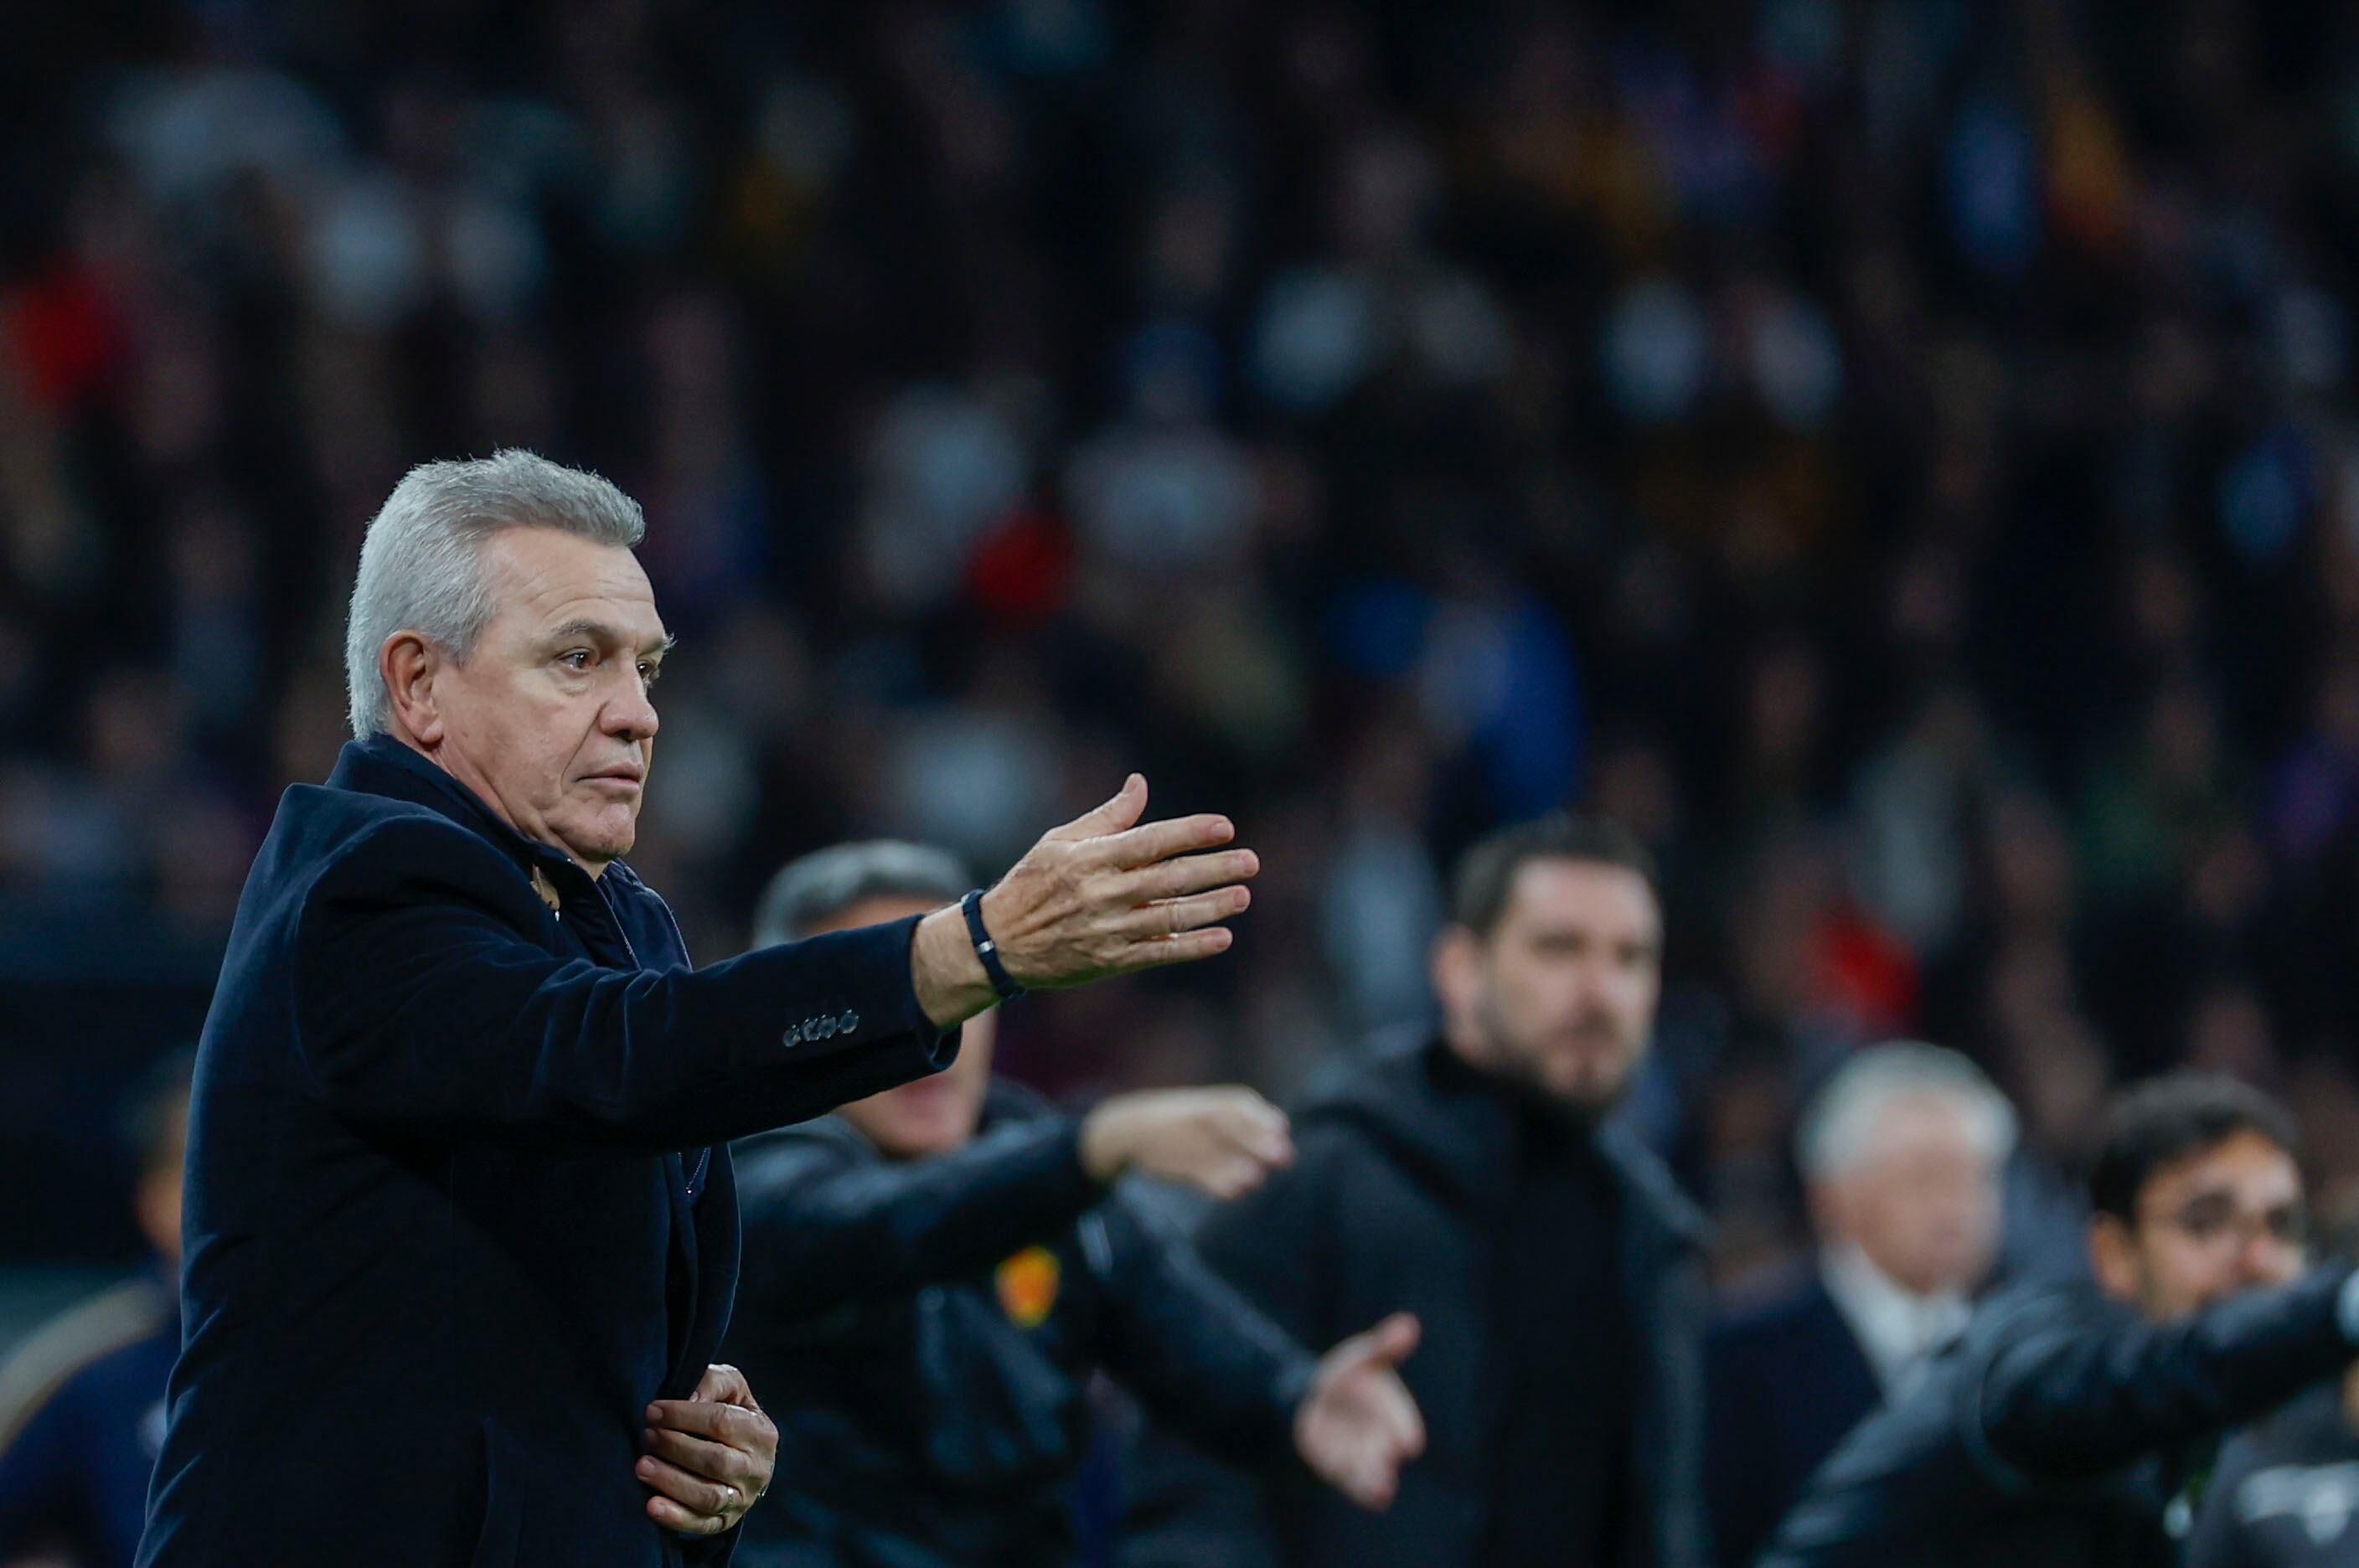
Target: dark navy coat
(458, 1205)
(1784, 1379)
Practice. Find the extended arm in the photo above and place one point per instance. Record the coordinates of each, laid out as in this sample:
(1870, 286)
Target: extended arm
(422, 1007)
(2071, 1394)
(1193, 1350)
(823, 1226)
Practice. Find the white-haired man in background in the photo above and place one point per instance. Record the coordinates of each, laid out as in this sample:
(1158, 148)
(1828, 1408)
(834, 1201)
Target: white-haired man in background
(1902, 1155)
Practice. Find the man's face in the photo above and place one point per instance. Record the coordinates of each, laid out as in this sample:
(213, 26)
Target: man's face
(928, 1116)
(1923, 1202)
(548, 718)
(2210, 1226)
(1562, 993)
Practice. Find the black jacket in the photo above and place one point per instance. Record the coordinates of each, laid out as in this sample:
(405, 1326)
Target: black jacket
(455, 1209)
(924, 1333)
(1388, 1206)
(1785, 1379)
(2285, 1494)
(2060, 1432)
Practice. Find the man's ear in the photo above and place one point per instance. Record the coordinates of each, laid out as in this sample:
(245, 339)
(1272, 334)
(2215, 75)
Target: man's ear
(1457, 960)
(408, 665)
(2112, 1259)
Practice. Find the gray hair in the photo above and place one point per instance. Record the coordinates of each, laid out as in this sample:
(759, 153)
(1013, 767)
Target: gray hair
(826, 882)
(421, 566)
(1839, 1128)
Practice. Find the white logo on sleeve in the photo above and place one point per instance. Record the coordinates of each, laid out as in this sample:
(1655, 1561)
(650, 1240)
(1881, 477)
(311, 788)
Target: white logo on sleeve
(2323, 1496)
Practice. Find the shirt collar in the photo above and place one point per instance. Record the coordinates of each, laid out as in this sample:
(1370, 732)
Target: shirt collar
(1897, 1329)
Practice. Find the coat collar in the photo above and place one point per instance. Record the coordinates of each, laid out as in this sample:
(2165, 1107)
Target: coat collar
(1444, 1119)
(381, 765)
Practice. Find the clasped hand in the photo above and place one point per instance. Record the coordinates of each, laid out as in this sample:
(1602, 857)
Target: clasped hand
(709, 1455)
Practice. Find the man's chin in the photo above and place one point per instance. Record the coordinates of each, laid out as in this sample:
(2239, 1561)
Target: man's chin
(1591, 1086)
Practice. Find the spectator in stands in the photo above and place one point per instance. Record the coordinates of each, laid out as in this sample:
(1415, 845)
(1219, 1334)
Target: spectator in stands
(1474, 1180)
(82, 1403)
(1902, 1154)
(2070, 1427)
(932, 1275)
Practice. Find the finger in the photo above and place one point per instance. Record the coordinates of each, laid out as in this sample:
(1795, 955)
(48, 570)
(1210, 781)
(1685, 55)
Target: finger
(731, 1424)
(1256, 1147)
(1128, 805)
(1257, 1129)
(714, 1461)
(1160, 951)
(1391, 1342)
(724, 1385)
(1230, 1179)
(1167, 917)
(1408, 1424)
(1188, 874)
(671, 1516)
(694, 1493)
(1161, 841)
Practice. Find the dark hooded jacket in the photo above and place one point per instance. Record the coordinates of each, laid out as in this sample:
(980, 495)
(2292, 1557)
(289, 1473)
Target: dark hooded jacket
(459, 1200)
(1401, 1172)
(926, 1330)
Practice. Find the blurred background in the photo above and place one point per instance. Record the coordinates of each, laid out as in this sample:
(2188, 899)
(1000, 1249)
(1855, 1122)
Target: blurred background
(1897, 457)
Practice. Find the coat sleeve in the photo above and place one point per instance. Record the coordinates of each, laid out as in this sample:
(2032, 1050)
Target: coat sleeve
(2063, 1392)
(422, 1007)
(1186, 1507)
(1190, 1349)
(824, 1226)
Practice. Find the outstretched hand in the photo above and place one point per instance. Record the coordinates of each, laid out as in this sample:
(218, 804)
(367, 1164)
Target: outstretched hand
(1222, 1142)
(1104, 895)
(1358, 1425)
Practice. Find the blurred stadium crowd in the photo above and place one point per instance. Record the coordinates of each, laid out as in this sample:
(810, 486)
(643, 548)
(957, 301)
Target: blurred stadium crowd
(1897, 458)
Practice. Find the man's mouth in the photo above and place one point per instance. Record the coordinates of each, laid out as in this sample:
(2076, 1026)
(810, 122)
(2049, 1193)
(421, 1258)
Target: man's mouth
(633, 777)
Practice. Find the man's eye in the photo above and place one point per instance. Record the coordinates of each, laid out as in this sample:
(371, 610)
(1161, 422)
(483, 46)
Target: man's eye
(579, 659)
(649, 673)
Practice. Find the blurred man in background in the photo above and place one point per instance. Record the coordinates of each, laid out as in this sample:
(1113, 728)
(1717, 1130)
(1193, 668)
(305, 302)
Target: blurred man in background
(82, 1403)
(1901, 1155)
(1472, 1179)
(2071, 1427)
(932, 1275)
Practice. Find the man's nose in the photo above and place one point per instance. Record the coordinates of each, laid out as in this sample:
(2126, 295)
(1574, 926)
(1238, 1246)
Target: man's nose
(2262, 1259)
(632, 714)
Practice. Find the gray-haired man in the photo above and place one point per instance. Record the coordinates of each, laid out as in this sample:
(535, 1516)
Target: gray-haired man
(1901, 1155)
(933, 1274)
(461, 1229)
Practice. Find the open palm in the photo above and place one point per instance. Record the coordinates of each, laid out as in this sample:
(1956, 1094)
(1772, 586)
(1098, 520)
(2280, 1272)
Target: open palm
(1358, 1425)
